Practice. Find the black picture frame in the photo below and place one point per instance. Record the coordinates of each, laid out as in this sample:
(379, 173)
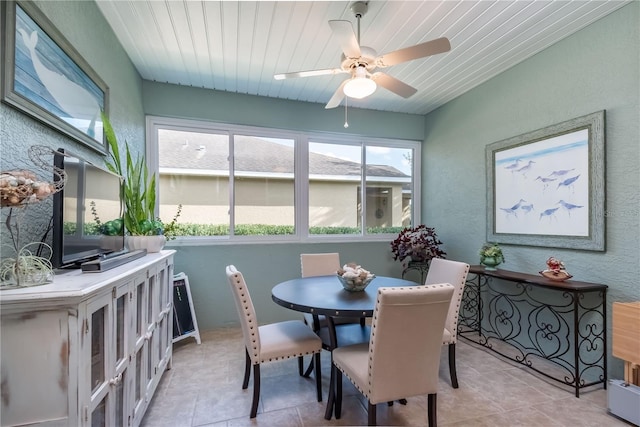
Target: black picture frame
(547, 187)
(45, 77)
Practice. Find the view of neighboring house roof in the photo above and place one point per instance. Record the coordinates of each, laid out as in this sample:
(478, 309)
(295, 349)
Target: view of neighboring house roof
(201, 151)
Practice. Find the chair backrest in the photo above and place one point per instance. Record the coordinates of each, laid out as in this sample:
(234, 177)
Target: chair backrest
(319, 264)
(454, 272)
(405, 343)
(246, 311)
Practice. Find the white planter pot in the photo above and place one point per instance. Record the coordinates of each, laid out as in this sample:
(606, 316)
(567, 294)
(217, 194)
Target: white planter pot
(150, 243)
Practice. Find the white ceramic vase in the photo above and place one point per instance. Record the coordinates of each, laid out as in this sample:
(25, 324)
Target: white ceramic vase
(150, 243)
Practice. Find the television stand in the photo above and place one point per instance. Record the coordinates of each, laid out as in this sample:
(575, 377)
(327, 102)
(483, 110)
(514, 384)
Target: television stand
(87, 349)
(107, 263)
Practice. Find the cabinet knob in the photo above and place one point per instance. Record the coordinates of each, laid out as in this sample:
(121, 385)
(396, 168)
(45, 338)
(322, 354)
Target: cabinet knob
(116, 380)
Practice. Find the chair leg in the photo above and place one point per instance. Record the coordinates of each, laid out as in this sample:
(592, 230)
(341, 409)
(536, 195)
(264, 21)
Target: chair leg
(331, 399)
(371, 412)
(431, 411)
(247, 371)
(318, 376)
(309, 369)
(256, 390)
(452, 365)
(338, 393)
(300, 365)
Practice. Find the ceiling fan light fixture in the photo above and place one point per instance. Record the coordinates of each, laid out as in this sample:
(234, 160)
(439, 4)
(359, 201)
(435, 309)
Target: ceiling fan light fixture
(360, 86)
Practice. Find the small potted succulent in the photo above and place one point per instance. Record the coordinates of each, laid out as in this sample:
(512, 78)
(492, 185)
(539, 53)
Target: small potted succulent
(417, 244)
(491, 256)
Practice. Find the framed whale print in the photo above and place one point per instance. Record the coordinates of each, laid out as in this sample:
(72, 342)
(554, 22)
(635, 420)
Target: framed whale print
(46, 78)
(547, 187)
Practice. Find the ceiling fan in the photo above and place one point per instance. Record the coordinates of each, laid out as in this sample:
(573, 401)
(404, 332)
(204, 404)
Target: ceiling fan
(361, 61)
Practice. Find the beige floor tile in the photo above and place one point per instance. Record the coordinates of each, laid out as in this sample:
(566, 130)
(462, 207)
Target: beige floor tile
(204, 388)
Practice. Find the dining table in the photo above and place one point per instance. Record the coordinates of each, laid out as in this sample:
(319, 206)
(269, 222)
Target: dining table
(325, 295)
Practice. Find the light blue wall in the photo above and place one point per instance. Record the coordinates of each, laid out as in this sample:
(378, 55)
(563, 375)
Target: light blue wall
(194, 103)
(262, 266)
(595, 69)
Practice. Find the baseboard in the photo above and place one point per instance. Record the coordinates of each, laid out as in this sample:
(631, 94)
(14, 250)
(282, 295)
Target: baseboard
(624, 400)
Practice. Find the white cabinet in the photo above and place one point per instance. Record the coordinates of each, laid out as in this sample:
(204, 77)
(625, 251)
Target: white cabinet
(88, 349)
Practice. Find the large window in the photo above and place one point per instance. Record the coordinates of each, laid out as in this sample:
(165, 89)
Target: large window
(237, 182)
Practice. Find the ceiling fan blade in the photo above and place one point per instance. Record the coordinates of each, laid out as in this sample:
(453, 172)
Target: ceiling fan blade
(309, 73)
(337, 97)
(394, 85)
(343, 30)
(421, 50)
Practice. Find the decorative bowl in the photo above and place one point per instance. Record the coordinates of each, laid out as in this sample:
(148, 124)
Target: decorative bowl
(556, 275)
(356, 284)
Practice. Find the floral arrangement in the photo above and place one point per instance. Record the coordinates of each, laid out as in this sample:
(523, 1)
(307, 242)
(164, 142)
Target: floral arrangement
(491, 250)
(420, 243)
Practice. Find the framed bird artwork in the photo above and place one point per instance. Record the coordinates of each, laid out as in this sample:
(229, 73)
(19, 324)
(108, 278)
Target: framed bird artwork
(546, 187)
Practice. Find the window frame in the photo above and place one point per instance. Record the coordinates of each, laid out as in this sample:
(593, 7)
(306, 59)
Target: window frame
(301, 176)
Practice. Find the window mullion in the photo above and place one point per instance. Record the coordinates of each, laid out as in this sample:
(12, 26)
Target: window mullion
(232, 180)
(301, 198)
(363, 189)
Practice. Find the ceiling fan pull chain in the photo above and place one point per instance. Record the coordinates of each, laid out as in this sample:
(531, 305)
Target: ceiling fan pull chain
(346, 123)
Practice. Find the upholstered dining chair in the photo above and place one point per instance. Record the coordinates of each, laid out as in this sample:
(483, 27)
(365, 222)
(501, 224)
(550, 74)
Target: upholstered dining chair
(454, 272)
(275, 341)
(402, 357)
(323, 264)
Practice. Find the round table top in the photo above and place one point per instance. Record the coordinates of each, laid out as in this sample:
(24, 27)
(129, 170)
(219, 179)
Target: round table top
(325, 295)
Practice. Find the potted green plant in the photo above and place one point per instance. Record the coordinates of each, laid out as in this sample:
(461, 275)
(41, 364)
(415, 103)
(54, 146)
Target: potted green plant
(418, 244)
(144, 230)
(491, 256)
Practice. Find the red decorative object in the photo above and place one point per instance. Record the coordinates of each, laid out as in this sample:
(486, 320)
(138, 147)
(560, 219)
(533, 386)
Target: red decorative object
(556, 270)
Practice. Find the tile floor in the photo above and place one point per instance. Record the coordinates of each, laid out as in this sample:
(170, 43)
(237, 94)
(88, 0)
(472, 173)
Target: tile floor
(204, 388)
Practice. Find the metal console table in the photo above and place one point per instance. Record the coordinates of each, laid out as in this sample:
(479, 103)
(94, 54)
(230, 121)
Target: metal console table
(422, 268)
(558, 329)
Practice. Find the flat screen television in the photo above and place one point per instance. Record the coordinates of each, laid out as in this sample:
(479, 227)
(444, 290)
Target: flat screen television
(84, 213)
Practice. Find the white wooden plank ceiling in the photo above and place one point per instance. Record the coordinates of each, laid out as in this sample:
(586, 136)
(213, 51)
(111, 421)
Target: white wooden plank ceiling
(237, 46)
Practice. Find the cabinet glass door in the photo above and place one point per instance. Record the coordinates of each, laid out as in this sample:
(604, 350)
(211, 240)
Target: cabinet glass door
(152, 332)
(99, 414)
(98, 347)
(121, 350)
(140, 346)
(98, 330)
